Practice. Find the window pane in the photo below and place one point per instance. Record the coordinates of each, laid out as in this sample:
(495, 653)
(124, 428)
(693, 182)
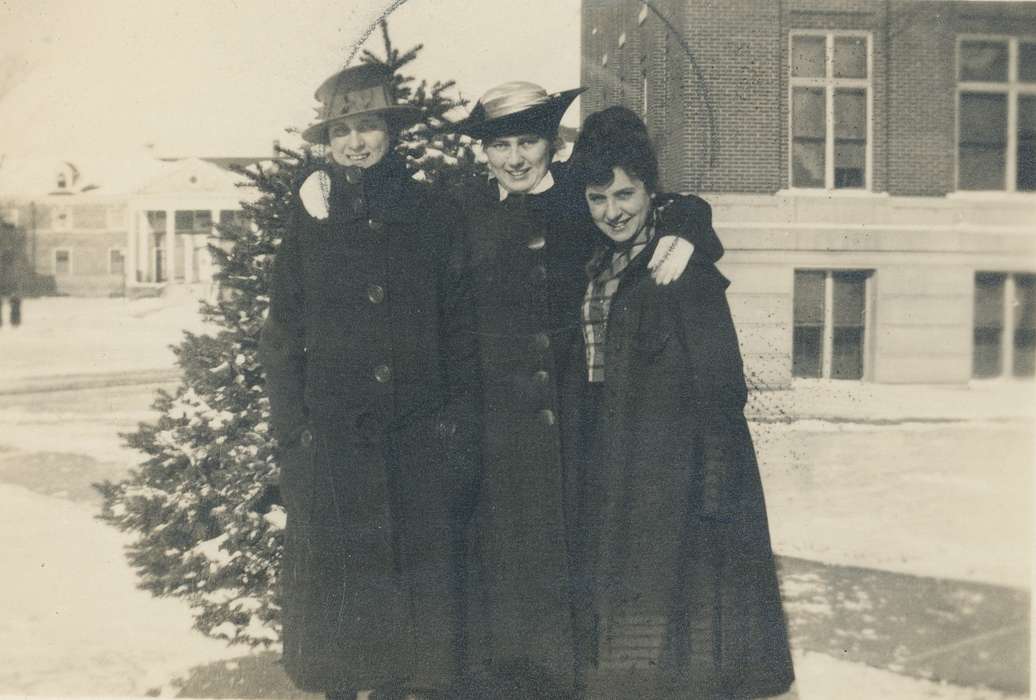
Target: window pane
(989, 300)
(184, 221)
(983, 60)
(1027, 62)
(988, 331)
(851, 57)
(202, 221)
(156, 221)
(1026, 179)
(807, 351)
(850, 138)
(986, 361)
(808, 135)
(1025, 326)
(983, 127)
(849, 298)
(847, 353)
(62, 262)
(808, 297)
(117, 262)
(808, 57)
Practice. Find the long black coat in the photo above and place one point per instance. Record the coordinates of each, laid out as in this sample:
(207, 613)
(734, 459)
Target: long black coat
(677, 555)
(528, 255)
(369, 346)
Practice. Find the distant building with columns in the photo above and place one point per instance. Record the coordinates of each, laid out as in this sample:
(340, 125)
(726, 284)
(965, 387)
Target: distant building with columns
(126, 227)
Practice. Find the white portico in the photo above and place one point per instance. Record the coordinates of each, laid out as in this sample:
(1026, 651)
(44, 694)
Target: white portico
(172, 219)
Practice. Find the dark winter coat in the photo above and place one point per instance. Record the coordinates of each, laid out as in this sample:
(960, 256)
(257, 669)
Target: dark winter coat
(676, 550)
(529, 254)
(372, 374)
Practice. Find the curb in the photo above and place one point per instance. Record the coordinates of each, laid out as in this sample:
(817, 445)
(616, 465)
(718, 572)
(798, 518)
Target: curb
(77, 382)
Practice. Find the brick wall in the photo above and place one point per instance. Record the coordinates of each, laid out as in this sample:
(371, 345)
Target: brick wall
(720, 121)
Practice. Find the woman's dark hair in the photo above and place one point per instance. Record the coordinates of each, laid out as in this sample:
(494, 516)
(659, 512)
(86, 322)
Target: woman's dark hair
(613, 138)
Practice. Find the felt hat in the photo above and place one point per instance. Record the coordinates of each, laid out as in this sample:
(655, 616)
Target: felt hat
(363, 89)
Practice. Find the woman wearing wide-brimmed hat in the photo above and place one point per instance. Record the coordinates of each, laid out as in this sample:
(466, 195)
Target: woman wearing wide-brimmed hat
(675, 547)
(530, 241)
(372, 373)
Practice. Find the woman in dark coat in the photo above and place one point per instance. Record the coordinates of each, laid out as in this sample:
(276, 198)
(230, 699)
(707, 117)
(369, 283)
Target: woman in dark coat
(372, 373)
(530, 243)
(682, 592)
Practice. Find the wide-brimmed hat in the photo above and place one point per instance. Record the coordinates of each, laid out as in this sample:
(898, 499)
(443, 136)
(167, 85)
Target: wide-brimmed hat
(364, 89)
(514, 108)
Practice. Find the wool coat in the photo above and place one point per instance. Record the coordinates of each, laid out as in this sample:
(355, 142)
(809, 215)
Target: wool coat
(674, 555)
(372, 374)
(528, 257)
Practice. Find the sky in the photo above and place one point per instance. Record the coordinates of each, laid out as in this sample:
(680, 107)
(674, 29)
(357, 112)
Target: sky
(225, 77)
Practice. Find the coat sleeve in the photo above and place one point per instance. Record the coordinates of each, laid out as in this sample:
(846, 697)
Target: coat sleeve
(282, 350)
(707, 333)
(690, 218)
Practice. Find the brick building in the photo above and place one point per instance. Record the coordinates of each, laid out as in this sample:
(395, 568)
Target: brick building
(871, 166)
(121, 227)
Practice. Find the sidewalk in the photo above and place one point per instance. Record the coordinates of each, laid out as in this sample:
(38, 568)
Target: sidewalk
(968, 634)
(861, 402)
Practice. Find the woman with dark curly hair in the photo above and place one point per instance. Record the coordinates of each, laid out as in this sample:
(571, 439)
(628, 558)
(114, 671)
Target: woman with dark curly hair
(673, 538)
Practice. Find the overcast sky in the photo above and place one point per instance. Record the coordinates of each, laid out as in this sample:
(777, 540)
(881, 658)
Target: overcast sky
(224, 77)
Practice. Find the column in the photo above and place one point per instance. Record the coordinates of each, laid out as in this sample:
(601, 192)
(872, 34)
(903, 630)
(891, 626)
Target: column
(170, 236)
(133, 221)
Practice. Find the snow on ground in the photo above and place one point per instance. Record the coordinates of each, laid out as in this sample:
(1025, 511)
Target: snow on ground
(72, 621)
(857, 474)
(73, 336)
(954, 501)
(821, 677)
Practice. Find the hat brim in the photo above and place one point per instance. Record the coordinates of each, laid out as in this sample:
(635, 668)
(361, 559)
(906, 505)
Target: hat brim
(544, 119)
(398, 116)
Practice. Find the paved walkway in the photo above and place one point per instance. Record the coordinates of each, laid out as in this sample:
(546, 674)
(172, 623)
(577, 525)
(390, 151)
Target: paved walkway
(964, 633)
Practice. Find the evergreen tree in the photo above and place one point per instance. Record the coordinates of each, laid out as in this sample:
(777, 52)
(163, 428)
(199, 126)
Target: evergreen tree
(207, 529)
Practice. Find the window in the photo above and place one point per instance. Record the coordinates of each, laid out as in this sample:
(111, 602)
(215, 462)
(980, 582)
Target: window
(62, 261)
(190, 222)
(830, 105)
(996, 114)
(116, 261)
(1005, 325)
(232, 217)
(830, 313)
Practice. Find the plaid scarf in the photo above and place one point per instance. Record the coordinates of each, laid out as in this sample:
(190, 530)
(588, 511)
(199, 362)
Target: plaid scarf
(605, 275)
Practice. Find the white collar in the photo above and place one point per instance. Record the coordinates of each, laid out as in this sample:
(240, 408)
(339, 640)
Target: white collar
(545, 183)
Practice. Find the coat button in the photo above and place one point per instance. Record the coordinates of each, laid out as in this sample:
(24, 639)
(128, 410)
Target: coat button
(358, 205)
(547, 417)
(536, 242)
(383, 373)
(375, 225)
(538, 273)
(541, 341)
(375, 293)
(541, 377)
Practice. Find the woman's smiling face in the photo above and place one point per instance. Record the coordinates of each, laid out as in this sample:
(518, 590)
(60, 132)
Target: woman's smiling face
(361, 141)
(621, 208)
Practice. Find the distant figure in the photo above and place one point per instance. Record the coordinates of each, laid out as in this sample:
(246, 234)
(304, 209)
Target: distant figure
(14, 270)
